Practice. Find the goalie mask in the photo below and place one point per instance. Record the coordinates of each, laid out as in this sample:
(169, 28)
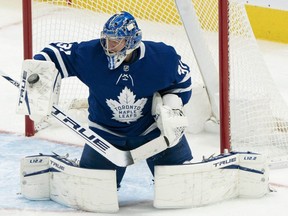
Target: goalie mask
(120, 37)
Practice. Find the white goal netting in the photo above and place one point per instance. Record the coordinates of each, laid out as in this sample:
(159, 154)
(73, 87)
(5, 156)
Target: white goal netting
(259, 117)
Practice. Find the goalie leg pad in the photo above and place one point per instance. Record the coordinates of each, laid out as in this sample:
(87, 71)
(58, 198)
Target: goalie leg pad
(84, 189)
(34, 177)
(253, 175)
(217, 179)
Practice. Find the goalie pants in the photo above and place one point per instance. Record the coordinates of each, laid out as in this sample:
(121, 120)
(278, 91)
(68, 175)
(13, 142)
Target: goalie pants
(176, 155)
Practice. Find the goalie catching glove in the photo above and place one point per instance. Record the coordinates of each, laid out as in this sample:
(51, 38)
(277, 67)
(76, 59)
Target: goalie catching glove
(170, 119)
(39, 88)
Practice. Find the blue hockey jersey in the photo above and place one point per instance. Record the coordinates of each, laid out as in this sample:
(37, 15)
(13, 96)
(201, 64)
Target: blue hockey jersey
(120, 100)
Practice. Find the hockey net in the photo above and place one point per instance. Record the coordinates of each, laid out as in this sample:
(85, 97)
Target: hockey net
(259, 118)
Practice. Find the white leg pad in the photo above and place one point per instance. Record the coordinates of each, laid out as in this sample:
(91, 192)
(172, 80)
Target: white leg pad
(221, 178)
(34, 178)
(85, 189)
(251, 183)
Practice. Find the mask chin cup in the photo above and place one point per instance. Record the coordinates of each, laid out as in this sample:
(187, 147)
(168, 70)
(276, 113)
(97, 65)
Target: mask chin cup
(115, 60)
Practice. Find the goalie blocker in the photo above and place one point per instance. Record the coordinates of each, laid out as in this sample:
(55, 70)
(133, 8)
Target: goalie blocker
(169, 116)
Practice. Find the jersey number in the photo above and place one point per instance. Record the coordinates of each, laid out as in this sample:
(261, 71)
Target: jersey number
(65, 47)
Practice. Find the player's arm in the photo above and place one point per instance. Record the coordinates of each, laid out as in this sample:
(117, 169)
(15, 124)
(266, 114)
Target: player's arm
(41, 78)
(168, 105)
(182, 84)
(63, 55)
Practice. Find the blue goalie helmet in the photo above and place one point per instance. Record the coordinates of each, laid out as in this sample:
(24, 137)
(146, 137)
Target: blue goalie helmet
(120, 37)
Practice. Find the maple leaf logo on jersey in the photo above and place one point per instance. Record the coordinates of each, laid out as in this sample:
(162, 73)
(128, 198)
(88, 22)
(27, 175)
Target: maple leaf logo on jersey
(126, 109)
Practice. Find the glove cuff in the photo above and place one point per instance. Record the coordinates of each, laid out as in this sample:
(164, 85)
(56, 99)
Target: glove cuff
(173, 101)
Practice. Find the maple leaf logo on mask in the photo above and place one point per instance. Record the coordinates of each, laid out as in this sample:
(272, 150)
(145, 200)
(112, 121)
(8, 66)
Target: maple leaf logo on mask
(126, 109)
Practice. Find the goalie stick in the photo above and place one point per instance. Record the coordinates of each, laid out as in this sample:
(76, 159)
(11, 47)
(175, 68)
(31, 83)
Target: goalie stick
(118, 157)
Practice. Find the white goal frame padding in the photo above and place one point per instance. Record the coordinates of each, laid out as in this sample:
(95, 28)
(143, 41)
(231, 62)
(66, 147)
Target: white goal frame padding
(220, 178)
(46, 177)
(201, 51)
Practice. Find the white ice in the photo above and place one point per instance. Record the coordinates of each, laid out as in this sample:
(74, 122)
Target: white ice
(136, 194)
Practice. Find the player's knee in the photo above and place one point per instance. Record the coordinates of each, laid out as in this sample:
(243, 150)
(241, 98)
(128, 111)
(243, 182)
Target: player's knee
(177, 155)
(91, 159)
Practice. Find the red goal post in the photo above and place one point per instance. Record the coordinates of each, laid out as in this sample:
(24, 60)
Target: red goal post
(28, 53)
(224, 76)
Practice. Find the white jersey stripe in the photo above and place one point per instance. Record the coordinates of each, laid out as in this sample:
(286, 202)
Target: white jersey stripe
(45, 56)
(95, 125)
(142, 50)
(187, 77)
(179, 90)
(59, 59)
(149, 129)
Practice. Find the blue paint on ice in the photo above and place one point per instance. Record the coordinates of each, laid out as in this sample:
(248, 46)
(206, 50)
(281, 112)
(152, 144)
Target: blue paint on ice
(137, 185)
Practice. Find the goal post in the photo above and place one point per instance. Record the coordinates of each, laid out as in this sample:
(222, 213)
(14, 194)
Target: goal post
(27, 43)
(232, 87)
(224, 107)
